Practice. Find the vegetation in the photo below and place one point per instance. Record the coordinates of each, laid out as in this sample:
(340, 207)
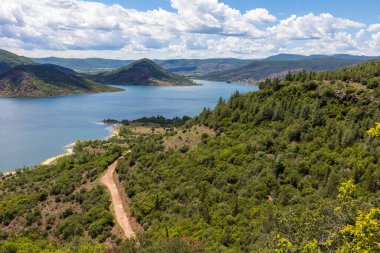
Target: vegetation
(142, 72)
(258, 70)
(89, 65)
(62, 203)
(46, 81)
(9, 60)
(195, 66)
(158, 120)
(374, 132)
(293, 167)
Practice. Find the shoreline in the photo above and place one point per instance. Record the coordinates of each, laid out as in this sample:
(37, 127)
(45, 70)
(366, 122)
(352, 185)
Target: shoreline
(114, 131)
(70, 147)
(69, 151)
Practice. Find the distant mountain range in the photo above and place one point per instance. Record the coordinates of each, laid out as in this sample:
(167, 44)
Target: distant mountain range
(41, 77)
(142, 72)
(200, 66)
(227, 69)
(46, 80)
(289, 57)
(280, 65)
(85, 65)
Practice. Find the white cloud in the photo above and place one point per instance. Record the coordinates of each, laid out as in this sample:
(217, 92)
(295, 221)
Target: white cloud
(74, 24)
(245, 48)
(374, 28)
(374, 43)
(259, 15)
(341, 42)
(198, 28)
(213, 17)
(360, 34)
(311, 26)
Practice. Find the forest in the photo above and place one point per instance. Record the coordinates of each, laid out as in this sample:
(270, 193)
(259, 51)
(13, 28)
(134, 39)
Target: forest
(293, 167)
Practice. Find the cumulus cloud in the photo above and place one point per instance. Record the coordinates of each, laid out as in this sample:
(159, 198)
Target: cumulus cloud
(311, 26)
(213, 17)
(198, 28)
(374, 28)
(74, 24)
(360, 34)
(341, 42)
(239, 46)
(259, 15)
(375, 42)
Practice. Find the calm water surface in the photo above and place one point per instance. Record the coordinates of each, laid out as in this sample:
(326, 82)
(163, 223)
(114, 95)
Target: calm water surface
(32, 130)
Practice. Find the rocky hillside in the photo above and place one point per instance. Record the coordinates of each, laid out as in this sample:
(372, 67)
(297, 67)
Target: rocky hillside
(142, 72)
(46, 81)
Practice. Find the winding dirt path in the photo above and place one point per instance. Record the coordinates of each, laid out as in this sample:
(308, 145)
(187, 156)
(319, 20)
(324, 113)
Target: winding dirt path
(117, 202)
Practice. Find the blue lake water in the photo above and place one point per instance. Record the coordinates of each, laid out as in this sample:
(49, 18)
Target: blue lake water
(32, 130)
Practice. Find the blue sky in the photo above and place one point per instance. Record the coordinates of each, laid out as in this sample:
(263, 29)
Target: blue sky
(361, 10)
(131, 29)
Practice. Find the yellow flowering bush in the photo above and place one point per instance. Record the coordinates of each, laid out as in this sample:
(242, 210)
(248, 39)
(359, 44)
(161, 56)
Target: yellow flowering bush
(283, 245)
(364, 236)
(374, 132)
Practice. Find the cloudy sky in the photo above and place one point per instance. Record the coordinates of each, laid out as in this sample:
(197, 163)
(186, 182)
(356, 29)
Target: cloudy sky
(132, 29)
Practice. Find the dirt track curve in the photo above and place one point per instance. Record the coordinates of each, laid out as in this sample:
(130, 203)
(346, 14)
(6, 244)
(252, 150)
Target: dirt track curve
(117, 203)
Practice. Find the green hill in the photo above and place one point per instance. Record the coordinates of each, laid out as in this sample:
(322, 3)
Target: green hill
(290, 168)
(259, 70)
(8, 60)
(46, 81)
(142, 72)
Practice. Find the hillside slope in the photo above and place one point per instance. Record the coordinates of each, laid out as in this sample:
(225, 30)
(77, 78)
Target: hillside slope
(9, 60)
(259, 70)
(289, 168)
(142, 72)
(46, 81)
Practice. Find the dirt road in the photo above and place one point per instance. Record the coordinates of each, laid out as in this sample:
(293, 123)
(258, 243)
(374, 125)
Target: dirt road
(117, 204)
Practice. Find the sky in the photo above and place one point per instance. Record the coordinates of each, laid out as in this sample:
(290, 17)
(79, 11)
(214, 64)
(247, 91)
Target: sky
(166, 29)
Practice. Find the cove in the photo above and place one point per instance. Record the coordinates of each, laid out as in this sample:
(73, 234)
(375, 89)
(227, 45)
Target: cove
(32, 130)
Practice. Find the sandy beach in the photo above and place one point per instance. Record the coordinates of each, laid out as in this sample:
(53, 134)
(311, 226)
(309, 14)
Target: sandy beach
(115, 129)
(70, 147)
(69, 151)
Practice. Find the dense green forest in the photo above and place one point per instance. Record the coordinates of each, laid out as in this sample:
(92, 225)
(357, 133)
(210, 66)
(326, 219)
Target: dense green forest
(290, 168)
(158, 120)
(58, 203)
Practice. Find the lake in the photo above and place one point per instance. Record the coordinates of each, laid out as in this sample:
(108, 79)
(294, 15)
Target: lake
(32, 130)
